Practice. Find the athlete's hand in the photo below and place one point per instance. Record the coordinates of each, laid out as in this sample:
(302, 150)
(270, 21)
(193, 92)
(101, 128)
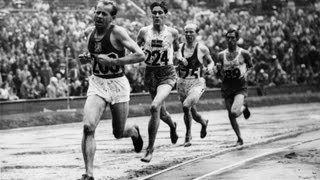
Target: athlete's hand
(184, 61)
(85, 58)
(208, 71)
(108, 59)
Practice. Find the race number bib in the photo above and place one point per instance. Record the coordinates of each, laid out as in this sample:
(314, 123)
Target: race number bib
(156, 57)
(232, 73)
(99, 69)
(189, 73)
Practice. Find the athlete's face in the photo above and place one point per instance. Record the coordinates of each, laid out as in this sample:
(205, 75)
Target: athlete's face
(102, 16)
(190, 34)
(158, 15)
(231, 39)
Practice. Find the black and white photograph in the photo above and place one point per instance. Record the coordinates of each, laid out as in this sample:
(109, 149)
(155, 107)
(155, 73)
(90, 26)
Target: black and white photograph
(159, 89)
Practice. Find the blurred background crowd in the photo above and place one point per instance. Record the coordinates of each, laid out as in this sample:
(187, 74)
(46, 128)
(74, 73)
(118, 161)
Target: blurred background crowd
(41, 40)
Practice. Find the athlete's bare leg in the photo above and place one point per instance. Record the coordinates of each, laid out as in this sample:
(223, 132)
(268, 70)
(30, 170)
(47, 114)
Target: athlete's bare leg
(93, 109)
(198, 118)
(233, 120)
(162, 93)
(237, 106)
(120, 129)
(188, 122)
(165, 117)
(190, 109)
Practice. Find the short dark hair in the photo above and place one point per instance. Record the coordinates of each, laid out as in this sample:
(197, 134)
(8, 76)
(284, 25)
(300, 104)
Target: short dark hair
(162, 4)
(232, 30)
(114, 10)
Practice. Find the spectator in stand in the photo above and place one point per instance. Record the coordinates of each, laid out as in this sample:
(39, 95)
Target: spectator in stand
(25, 72)
(40, 90)
(304, 76)
(262, 79)
(46, 72)
(52, 88)
(28, 89)
(292, 35)
(4, 92)
(17, 82)
(11, 83)
(62, 87)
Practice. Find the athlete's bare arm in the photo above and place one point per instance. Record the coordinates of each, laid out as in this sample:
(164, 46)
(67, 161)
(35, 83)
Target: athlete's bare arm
(122, 38)
(140, 37)
(175, 43)
(207, 59)
(247, 58)
(85, 57)
(219, 65)
(177, 55)
(177, 48)
(248, 61)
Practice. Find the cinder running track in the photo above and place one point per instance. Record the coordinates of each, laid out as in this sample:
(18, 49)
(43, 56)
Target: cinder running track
(54, 152)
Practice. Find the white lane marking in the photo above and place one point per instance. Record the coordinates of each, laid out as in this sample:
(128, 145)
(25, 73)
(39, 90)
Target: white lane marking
(268, 140)
(238, 164)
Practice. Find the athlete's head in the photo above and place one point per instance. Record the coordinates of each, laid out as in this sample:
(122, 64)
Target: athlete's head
(232, 37)
(191, 30)
(159, 11)
(105, 12)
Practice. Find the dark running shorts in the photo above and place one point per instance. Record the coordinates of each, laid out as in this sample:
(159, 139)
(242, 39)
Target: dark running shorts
(231, 88)
(156, 76)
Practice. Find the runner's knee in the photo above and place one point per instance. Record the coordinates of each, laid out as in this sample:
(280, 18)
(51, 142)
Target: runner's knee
(88, 130)
(154, 108)
(236, 111)
(185, 109)
(233, 114)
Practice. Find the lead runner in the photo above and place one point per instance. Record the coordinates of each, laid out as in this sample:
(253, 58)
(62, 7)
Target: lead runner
(108, 84)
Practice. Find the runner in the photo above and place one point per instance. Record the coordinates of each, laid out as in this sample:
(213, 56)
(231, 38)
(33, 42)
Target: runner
(191, 83)
(233, 65)
(108, 84)
(159, 43)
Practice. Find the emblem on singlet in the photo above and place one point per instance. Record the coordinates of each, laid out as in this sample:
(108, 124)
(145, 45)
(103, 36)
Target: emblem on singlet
(156, 43)
(97, 47)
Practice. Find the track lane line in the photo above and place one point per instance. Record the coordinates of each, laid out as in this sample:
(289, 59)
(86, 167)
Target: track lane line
(268, 140)
(238, 164)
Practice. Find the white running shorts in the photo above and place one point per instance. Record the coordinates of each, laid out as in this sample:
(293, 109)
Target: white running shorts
(113, 90)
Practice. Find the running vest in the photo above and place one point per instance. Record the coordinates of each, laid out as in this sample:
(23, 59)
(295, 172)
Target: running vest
(233, 68)
(158, 48)
(104, 46)
(194, 69)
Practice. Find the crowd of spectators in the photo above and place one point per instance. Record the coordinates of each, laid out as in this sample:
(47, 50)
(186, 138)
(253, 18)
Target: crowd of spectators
(39, 49)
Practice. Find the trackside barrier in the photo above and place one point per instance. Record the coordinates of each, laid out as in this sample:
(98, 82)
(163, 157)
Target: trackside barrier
(40, 105)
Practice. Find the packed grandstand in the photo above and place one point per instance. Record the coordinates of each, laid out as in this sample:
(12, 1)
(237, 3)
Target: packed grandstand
(41, 40)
